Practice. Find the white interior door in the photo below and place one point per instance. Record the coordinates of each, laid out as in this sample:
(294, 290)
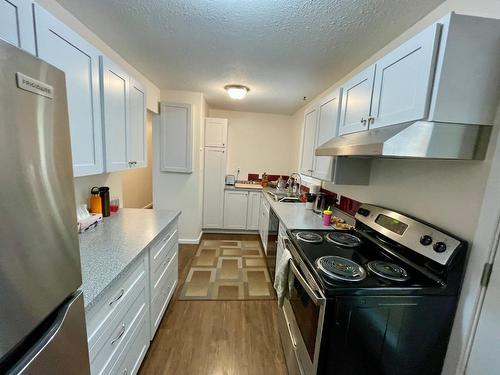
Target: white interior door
(485, 355)
(308, 142)
(356, 102)
(213, 188)
(328, 114)
(115, 90)
(16, 24)
(403, 80)
(66, 50)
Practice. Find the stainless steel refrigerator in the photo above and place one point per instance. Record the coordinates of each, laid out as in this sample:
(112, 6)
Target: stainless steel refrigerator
(42, 319)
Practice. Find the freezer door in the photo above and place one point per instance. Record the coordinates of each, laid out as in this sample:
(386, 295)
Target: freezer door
(63, 349)
(39, 251)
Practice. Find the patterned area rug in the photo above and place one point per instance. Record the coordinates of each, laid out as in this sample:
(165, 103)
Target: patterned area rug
(228, 270)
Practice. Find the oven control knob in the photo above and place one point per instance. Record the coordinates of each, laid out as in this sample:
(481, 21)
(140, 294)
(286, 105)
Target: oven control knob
(363, 211)
(426, 240)
(439, 247)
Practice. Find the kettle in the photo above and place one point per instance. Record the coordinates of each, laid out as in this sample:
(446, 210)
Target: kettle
(319, 203)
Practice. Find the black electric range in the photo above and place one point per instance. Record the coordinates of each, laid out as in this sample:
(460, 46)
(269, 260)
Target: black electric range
(386, 266)
(379, 299)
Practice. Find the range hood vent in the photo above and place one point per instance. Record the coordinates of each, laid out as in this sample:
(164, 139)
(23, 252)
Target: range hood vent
(420, 140)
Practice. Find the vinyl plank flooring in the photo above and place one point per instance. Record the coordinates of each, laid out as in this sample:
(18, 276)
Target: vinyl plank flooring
(215, 337)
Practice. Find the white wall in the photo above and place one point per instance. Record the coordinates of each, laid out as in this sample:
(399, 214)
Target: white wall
(446, 193)
(84, 184)
(258, 142)
(152, 91)
(177, 190)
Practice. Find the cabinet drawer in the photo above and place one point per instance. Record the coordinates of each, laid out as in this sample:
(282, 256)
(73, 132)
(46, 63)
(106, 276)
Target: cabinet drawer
(131, 358)
(159, 279)
(111, 344)
(161, 249)
(114, 304)
(165, 292)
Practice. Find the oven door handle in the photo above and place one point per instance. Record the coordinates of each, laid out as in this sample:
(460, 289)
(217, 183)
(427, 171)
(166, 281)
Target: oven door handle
(318, 300)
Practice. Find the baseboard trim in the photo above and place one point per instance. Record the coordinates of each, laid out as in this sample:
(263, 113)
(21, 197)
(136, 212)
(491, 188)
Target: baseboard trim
(230, 231)
(191, 241)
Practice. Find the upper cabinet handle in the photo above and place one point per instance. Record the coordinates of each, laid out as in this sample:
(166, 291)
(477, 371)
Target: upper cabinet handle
(371, 120)
(363, 121)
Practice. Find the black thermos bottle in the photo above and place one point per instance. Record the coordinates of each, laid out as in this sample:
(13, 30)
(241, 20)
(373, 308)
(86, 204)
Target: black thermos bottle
(104, 193)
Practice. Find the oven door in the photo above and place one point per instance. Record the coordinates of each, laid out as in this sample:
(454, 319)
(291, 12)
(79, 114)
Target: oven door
(305, 310)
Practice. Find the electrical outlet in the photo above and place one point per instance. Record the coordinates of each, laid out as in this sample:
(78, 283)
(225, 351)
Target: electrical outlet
(337, 199)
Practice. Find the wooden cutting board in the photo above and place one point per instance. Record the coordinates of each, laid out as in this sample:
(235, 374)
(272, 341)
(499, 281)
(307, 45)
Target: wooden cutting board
(247, 186)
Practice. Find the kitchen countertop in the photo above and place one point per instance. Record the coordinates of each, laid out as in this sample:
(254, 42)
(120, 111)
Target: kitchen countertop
(296, 216)
(107, 250)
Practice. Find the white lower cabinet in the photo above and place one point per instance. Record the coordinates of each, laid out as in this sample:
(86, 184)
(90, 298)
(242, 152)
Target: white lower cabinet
(122, 323)
(264, 222)
(235, 209)
(253, 210)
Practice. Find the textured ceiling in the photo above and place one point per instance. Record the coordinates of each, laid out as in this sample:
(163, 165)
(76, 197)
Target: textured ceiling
(282, 49)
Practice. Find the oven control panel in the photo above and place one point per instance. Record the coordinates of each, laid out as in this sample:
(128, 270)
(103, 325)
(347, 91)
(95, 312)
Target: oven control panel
(417, 236)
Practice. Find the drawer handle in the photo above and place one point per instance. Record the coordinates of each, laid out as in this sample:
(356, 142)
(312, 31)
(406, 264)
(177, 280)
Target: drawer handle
(122, 331)
(125, 372)
(117, 298)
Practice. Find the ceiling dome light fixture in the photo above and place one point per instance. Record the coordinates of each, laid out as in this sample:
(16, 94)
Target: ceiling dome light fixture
(237, 92)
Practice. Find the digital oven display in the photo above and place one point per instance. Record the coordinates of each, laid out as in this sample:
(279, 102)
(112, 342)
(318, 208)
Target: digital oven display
(391, 224)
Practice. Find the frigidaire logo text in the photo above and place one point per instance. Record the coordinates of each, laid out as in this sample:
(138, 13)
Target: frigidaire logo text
(37, 86)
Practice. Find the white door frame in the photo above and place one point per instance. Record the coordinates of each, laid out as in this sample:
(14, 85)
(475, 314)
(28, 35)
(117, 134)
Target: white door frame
(482, 251)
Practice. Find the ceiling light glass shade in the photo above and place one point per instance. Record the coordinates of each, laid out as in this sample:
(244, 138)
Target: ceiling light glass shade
(236, 91)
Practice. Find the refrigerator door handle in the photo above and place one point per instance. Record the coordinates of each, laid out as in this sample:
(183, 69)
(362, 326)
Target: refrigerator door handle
(63, 348)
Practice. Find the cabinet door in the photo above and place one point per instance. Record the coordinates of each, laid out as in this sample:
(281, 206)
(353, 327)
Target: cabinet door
(253, 211)
(308, 142)
(356, 102)
(176, 146)
(66, 50)
(213, 188)
(16, 24)
(327, 128)
(115, 106)
(403, 80)
(137, 136)
(215, 132)
(235, 209)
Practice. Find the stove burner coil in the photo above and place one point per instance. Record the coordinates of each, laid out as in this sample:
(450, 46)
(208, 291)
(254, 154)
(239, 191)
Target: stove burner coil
(310, 237)
(343, 239)
(339, 268)
(388, 270)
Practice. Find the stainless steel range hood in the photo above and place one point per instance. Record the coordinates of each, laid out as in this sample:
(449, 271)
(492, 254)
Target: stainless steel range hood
(421, 139)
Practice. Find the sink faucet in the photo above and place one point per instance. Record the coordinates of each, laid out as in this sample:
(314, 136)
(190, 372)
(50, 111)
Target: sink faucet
(292, 178)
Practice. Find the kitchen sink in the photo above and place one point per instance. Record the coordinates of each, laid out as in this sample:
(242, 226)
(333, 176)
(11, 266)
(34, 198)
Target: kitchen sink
(284, 197)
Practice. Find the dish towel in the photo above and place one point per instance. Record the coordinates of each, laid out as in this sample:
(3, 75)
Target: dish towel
(283, 280)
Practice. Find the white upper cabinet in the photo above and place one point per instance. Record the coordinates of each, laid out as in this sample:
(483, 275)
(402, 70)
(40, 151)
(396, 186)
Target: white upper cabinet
(327, 128)
(213, 187)
(176, 144)
(403, 80)
(65, 49)
(137, 135)
(16, 24)
(356, 102)
(308, 141)
(115, 104)
(253, 211)
(235, 209)
(215, 132)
